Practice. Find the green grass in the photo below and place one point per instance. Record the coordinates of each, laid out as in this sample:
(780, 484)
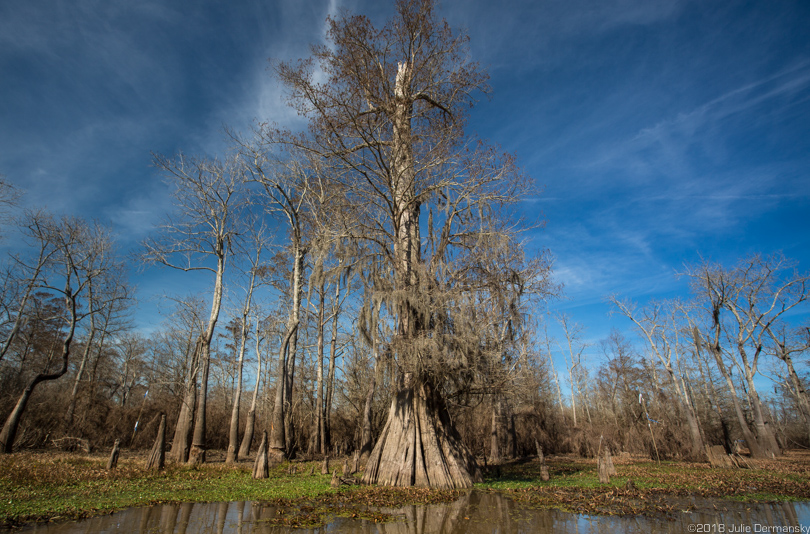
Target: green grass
(41, 486)
(34, 487)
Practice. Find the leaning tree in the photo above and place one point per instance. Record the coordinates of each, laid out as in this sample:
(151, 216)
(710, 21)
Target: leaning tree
(387, 109)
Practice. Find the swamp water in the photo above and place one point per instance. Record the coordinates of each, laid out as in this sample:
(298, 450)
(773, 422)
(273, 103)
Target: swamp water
(474, 513)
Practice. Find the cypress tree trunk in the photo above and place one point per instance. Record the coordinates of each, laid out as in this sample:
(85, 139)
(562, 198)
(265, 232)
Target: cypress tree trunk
(419, 445)
(277, 442)
(157, 457)
(326, 441)
(247, 439)
(196, 454)
(182, 431)
(260, 466)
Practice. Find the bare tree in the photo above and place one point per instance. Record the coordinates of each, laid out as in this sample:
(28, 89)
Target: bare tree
(24, 275)
(744, 303)
(575, 348)
(388, 122)
(659, 327)
(108, 301)
(784, 346)
(255, 272)
(259, 336)
(207, 199)
(286, 185)
(82, 252)
(186, 330)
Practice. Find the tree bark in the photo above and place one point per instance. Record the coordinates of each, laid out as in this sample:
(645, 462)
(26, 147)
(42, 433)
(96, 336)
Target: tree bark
(182, 432)
(247, 439)
(765, 434)
(196, 454)
(326, 436)
(799, 390)
(318, 423)
(751, 441)
(276, 441)
(419, 445)
(260, 466)
(85, 356)
(112, 463)
(367, 439)
(233, 436)
(157, 456)
(494, 445)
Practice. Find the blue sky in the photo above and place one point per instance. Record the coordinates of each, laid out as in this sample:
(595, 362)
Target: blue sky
(660, 131)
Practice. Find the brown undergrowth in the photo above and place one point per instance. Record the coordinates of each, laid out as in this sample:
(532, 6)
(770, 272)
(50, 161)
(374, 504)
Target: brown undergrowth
(642, 487)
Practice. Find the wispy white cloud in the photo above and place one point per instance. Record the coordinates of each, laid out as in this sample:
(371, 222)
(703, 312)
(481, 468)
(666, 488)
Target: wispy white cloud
(514, 34)
(664, 148)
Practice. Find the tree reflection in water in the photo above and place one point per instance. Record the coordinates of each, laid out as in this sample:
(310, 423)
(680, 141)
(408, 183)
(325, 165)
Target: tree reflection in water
(474, 513)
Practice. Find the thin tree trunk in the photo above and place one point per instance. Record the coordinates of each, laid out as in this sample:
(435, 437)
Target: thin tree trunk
(196, 453)
(750, 440)
(182, 432)
(367, 439)
(277, 449)
(326, 436)
(291, 354)
(495, 432)
(765, 434)
(699, 448)
(233, 436)
(75, 391)
(198, 443)
(799, 391)
(232, 455)
(318, 423)
(573, 399)
(247, 439)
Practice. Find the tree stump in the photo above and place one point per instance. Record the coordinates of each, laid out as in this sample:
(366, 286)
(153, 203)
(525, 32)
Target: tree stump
(157, 457)
(611, 470)
(261, 468)
(325, 466)
(543, 467)
(346, 466)
(335, 483)
(602, 470)
(356, 466)
(112, 463)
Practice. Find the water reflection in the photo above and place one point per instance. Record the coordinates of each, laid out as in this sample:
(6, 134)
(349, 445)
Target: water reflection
(475, 513)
